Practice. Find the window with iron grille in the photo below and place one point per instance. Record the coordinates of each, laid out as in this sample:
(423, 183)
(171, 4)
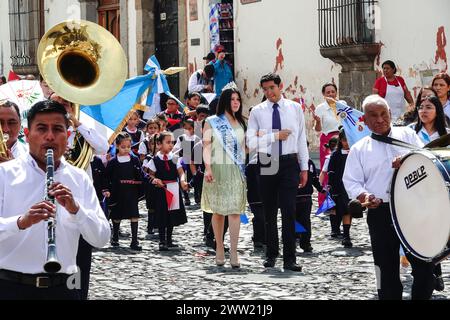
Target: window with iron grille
(26, 25)
(346, 22)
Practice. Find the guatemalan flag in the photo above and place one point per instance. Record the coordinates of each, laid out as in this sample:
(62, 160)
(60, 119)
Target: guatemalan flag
(109, 117)
(353, 123)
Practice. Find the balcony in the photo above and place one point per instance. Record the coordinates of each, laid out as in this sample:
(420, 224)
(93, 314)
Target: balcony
(347, 33)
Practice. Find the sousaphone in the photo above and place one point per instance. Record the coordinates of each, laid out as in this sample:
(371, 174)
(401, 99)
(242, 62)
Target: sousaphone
(84, 64)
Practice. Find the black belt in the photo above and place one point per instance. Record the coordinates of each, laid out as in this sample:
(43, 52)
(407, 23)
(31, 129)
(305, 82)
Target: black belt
(291, 156)
(42, 281)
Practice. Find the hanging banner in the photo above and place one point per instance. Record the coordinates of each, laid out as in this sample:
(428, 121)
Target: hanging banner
(214, 25)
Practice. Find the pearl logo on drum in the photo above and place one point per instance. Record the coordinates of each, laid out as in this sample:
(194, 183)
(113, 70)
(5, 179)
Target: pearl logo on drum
(415, 177)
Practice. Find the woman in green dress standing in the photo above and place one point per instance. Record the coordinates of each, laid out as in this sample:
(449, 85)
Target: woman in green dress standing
(224, 190)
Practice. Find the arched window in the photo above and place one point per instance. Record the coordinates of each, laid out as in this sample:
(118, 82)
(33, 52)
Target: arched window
(109, 16)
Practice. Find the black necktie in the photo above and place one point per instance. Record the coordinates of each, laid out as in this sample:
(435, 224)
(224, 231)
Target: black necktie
(276, 127)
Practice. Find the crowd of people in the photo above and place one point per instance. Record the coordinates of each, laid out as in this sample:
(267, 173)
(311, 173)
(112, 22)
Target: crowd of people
(228, 161)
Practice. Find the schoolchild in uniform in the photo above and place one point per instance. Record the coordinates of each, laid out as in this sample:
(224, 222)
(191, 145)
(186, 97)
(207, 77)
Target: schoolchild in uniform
(167, 175)
(151, 128)
(336, 168)
(124, 186)
(137, 136)
(304, 205)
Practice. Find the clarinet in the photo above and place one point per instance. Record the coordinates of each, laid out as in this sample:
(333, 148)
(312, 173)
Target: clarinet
(52, 264)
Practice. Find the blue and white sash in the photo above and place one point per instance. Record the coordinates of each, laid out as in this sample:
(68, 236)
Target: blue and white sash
(228, 140)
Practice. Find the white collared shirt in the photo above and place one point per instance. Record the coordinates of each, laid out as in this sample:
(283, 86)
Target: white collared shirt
(151, 163)
(98, 142)
(447, 109)
(19, 149)
(260, 136)
(22, 185)
(327, 118)
(369, 164)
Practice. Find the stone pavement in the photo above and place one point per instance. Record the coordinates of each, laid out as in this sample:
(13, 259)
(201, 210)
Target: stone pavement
(330, 272)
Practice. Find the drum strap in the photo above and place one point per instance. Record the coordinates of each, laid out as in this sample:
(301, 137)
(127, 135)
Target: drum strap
(393, 141)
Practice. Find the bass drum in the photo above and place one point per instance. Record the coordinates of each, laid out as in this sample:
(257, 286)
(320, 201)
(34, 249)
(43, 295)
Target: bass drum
(420, 203)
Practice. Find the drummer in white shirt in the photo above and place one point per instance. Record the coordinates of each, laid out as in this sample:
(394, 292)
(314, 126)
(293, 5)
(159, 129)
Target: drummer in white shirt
(10, 123)
(367, 177)
(23, 227)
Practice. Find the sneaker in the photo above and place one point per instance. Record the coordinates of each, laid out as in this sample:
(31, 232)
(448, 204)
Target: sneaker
(347, 243)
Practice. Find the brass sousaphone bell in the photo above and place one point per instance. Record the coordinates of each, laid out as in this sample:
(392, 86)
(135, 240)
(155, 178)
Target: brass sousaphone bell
(84, 64)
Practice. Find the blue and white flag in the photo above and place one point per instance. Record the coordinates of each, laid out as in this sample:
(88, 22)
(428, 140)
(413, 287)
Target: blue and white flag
(244, 218)
(214, 25)
(109, 117)
(353, 123)
(328, 204)
(299, 228)
(159, 82)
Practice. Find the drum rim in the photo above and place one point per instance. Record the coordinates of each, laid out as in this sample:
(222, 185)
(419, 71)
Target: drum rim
(430, 155)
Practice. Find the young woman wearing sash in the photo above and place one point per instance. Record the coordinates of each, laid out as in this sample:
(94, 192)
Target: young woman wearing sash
(224, 189)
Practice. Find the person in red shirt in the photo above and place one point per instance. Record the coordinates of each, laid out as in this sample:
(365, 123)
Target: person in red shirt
(393, 88)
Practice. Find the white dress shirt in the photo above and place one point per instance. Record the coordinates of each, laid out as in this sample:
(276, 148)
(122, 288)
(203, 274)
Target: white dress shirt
(151, 164)
(19, 149)
(98, 142)
(197, 82)
(327, 118)
(369, 164)
(22, 185)
(260, 136)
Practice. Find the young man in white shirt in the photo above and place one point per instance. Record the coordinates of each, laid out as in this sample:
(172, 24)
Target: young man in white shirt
(23, 226)
(10, 124)
(100, 146)
(368, 172)
(276, 131)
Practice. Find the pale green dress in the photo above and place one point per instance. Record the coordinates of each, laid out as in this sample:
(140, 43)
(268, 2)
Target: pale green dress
(227, 194)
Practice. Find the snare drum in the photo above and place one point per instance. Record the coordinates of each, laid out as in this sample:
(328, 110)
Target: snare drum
(420, 202)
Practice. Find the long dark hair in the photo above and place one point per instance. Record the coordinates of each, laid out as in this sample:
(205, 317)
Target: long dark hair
(225, 106)
(439, 122)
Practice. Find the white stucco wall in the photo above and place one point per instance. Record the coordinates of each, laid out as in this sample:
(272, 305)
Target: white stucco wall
(408, 29)
(5, 49)
(132, 39)
(61, 10)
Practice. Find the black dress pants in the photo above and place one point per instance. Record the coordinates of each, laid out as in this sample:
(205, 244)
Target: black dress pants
(254, 200)
(16, 291)
(279, 191)
(303, 216)
(385, 248)
(84, 260)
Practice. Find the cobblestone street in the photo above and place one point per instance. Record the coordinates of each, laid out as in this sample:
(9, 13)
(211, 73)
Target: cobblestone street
(329, 273)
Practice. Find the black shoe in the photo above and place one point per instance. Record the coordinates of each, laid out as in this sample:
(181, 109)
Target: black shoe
(293, 267)
(187, 202)
(347, 243)
(210, 243)
(306, 248)
(163, 247)
(135, 246)
(114, 243)
(336, 234)
(172, 245)
(269, 263)
(258, 245)
(439, 284)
